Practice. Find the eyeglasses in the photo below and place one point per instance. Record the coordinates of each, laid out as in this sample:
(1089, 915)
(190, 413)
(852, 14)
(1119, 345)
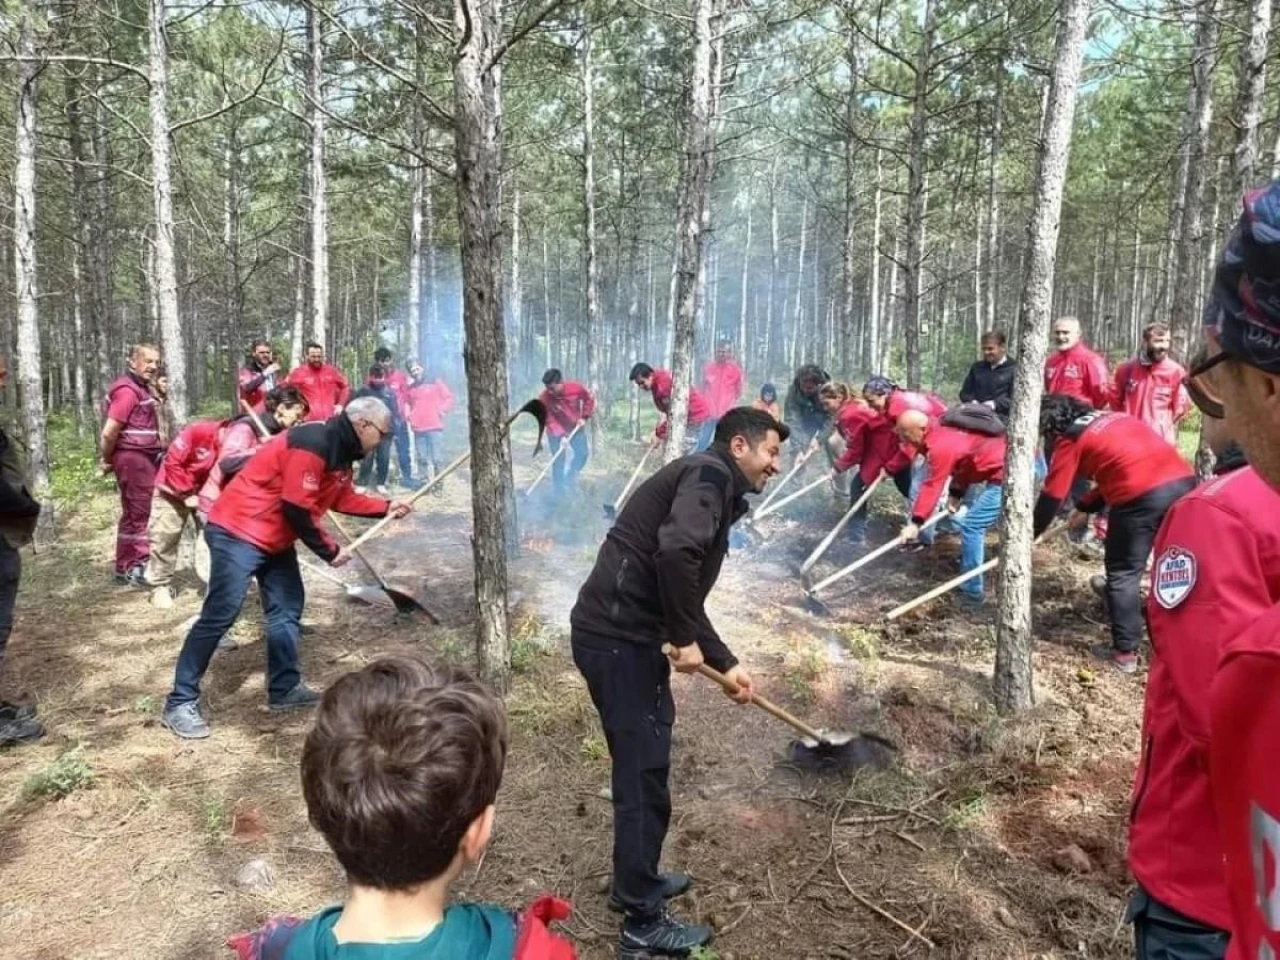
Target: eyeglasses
(1201, 390)
(381, 433)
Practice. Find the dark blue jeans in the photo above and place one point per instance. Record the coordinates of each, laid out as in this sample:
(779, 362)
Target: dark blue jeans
(232, 562)
(380, 457)
(567, 468)
(404, 457)
(706, 434)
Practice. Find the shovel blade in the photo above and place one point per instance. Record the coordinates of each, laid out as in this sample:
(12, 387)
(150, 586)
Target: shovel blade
(407, 605)
(841, 752)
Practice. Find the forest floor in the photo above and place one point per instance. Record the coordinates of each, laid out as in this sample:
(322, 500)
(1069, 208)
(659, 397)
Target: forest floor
(987, 839)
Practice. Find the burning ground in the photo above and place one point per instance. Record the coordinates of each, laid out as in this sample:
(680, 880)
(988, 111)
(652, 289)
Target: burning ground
(987, 839)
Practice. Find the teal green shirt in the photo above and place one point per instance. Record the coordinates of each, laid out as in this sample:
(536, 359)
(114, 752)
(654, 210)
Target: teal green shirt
(468, 932)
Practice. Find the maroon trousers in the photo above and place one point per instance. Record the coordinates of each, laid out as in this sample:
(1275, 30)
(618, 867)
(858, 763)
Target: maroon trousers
(136, 477)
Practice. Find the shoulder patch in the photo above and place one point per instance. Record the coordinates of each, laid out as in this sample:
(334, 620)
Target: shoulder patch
(717, 478)
(1173, 577)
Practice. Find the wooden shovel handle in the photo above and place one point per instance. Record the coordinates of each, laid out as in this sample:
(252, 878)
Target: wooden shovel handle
(768, 706)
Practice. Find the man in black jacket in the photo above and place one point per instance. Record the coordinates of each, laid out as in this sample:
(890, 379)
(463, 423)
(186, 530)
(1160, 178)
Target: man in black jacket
(990, 380)
(651, 578)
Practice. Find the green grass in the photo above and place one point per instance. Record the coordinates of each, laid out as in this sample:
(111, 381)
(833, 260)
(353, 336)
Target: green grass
(61, 777)
(215, 817)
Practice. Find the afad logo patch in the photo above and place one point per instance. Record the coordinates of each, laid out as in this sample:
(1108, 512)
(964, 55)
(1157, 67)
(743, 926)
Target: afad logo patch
(1173, 577)
(310, 481)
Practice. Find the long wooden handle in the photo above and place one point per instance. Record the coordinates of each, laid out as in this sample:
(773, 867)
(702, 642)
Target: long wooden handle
(760, 514)
(877, 552)
(830, 538)
(617, 504)
(353, 547)
(326, 574)
(257, 421)
(558, 454)
(799, 464)
(417, 495)
(768, 706)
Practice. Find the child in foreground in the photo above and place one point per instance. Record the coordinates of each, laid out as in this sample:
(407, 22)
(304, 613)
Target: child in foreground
(400, 773)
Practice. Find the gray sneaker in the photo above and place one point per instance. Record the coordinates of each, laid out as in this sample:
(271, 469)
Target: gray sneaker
(299, 698)
(185, 721)
(25, 730)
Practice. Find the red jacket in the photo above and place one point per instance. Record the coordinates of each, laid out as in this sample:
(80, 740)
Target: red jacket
(1216, 569)
(1123, 456)
(426, 403)
(286, 488)
(900, 401)
(855, 423)
(190, 457)
(239, 441)
(661, 389)
(721, 386)
(1245, 778)
(398, 383)
(1152, 392)
(324, 387)
(1080, 373)
(129, 402)
(254, 385)
(564, 412)
(967, 457)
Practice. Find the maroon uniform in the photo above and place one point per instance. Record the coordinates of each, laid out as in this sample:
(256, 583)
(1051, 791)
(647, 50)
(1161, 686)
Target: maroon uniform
(133, 461)
(254, 385)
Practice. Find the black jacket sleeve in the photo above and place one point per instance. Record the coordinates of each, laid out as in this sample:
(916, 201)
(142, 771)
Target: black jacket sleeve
(969, 389)
(299, 518)
(684, 539)
(1046, 509)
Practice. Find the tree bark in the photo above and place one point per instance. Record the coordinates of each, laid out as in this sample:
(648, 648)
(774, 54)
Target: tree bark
(484, 351)
(318, 178)
(166, 271)
(746, 280)
(916, 187)
(873, 301)
(1253, 83)
(848, 321)
(108, 345)
(25, 278)
(1013, 681)
(514, 298)
(413, 335)
(794, 345)
(593, 333)
(993, 203)
(81, 251)
(695, 183)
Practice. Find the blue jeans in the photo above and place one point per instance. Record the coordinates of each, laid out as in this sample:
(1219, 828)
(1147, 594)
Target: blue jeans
(232, 562)
(919, 473)
(983, 513)
(706, 433)
(858, 525)
(430, 451)
(379, 456)
(400, 433)
(565, 470)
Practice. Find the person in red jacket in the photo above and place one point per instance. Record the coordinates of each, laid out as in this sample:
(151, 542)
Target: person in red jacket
(1149, 386)
(864, 447)
(657, 383)
(280, 497)
(400, 774)
(258, 376)
(891, 402)
(325, 388)
(398, 383)
(427, 401)
(183, 471)
(1216, 570)
(721, 383)
(568, 404)
(1073, 369)
(956, 459)
(1135, 474)
(130, 448)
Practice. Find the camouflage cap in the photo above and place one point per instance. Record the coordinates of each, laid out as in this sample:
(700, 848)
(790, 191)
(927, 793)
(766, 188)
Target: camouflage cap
(1243, 312)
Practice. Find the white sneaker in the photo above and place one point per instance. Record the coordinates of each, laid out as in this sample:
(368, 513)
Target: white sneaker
(382, 489)
(162, 598)
(362, 490)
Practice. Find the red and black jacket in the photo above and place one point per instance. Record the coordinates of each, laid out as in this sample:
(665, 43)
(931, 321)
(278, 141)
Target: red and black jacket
(285, 489)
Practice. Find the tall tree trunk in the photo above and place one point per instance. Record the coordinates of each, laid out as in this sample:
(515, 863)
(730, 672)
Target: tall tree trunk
(318, 178)
(593, 332)
(516, 304)
(413, 335)
(694, 187)
(298, 333)
(429, 241)
(166, 271)
(108, 345)
(81, 251)
(1014, 683)
(916, 187)
(1184, 308)
(484, 351)
(231, 253)
(993, 203)
(873, 301)
(24, 274)
(794, 345)
(746, 280)
(1253, 83)
(771, 300)
(848, 322)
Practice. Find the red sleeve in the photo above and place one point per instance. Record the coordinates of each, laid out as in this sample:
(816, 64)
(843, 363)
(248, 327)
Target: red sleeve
(939, 464)
(249, 381)
(1229, 591)
(855, 443)
(1100, 389)
(446, 398)
(300, 474)
(344, 389)
(1062, 469)
(1181, 402)
(239, 440)
(588, 404)
(1117, 389)
(660, 431)
(121, 404)
(358, 505)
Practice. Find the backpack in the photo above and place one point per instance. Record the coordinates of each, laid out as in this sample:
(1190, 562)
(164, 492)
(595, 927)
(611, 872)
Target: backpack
(976, 417)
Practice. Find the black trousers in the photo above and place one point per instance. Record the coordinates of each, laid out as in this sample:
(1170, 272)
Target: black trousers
(630, 687)
(10, 574)
(1131, 531)
(1162, 933)
(858, 525)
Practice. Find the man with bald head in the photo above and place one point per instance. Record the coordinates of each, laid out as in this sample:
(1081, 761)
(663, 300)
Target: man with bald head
(281, 496)
(1073, 369)
(967, 457)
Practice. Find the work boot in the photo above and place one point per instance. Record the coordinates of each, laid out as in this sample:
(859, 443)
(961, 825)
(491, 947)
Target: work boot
(1125, 662)
(673, 885)
(299, 698)
(185, 721)
(361, 490)
(16, 711)
(662, 936)
(162, 598)
(20, 731)
(227, 644)
(1098, 584)
(382, 489)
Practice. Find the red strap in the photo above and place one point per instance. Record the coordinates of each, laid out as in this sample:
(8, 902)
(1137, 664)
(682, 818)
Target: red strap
(533, 940)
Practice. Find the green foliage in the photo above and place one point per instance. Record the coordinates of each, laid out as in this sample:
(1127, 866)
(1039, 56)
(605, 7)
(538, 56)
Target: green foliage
(73, 461)
(68, 772)
(215, 817)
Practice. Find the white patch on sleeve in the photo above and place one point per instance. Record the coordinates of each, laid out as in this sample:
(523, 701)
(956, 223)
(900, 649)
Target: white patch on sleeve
(1174, 577)
(310, 482)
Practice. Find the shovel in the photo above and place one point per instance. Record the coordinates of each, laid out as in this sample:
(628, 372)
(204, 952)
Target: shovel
(800, 462)
(359, 592)
(823, 750)
(611, 510)
(830, 538)
(558, 454)
(535, 408)
(765, 511)
(405, 603)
